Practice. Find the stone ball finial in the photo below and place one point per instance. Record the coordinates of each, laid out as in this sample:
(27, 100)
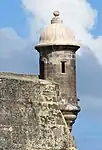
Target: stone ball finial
(56, 13)
(56, 18)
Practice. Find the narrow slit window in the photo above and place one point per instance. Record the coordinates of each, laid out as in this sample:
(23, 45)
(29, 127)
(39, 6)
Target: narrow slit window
(41, 69)
(63, 67)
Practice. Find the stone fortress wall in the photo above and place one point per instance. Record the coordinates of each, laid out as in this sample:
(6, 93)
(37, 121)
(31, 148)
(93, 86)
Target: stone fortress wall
(30, 118)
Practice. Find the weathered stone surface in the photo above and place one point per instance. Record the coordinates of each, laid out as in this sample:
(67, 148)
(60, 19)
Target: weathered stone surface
(30, 118)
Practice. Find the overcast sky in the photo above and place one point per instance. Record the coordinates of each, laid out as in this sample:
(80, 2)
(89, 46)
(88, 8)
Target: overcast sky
(20, 24)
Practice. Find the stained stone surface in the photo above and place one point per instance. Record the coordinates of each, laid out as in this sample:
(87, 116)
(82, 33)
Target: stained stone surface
(30, 118)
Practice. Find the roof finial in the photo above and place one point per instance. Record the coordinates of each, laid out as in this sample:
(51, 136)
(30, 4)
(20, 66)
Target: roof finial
(56, 13)
(56, 18)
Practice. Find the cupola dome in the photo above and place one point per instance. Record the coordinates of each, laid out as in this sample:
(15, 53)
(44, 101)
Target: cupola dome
(56, 33)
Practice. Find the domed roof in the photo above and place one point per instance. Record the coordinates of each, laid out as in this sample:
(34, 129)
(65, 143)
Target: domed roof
(56, 33)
